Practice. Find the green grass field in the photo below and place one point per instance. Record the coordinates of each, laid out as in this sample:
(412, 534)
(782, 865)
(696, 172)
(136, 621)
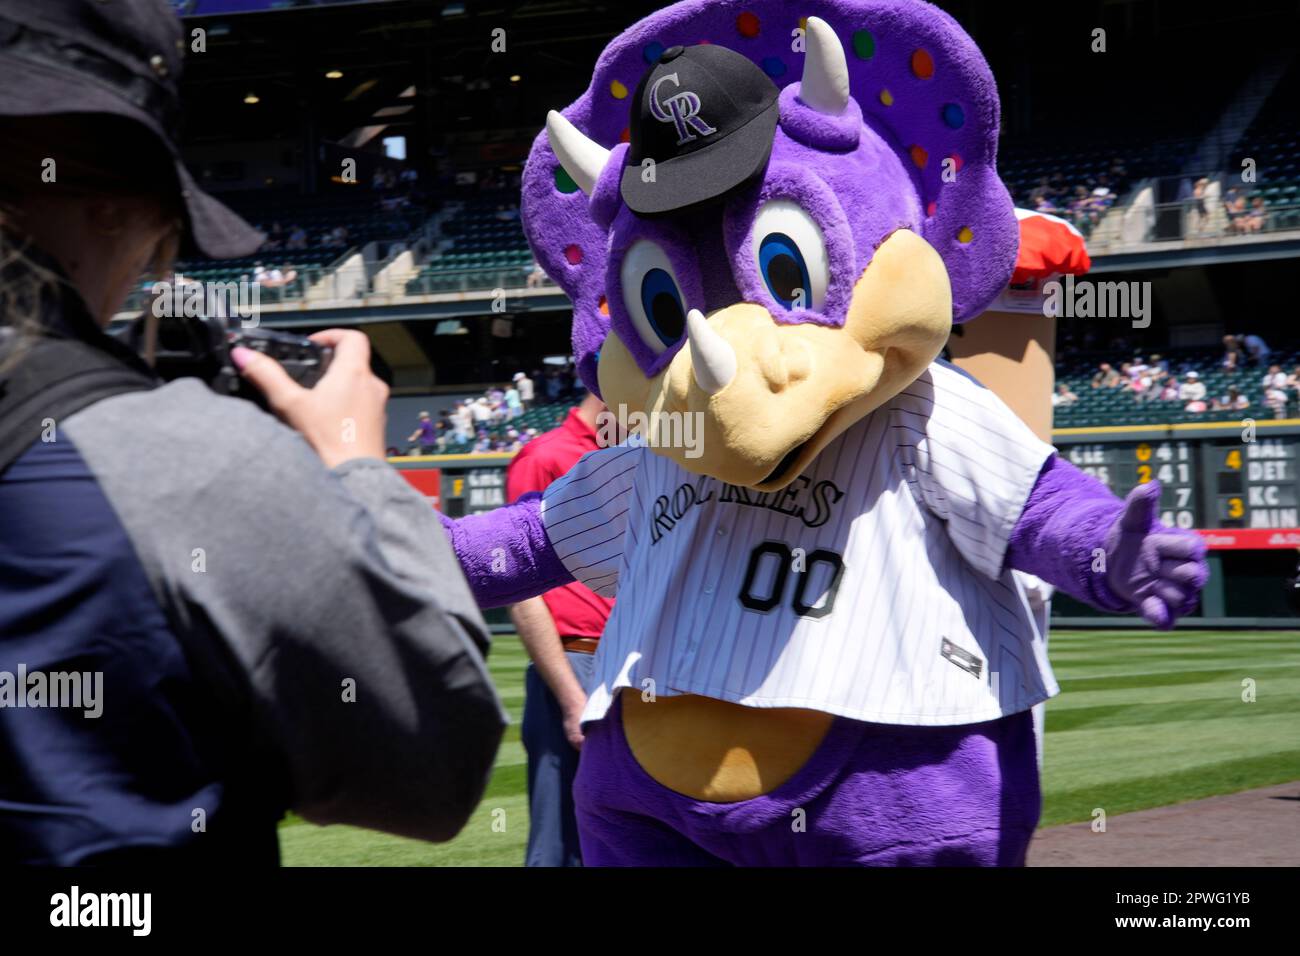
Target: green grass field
(1143, 720)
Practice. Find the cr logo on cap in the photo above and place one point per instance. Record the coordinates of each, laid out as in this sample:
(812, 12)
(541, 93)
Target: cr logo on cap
(682, 109)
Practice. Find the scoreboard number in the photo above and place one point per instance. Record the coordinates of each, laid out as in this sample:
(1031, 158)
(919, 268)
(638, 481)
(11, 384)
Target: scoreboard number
(1122, 466)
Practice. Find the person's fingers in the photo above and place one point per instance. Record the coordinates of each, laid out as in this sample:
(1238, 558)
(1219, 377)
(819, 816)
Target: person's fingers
(1173, 544)
(268, 377)
(1170, 593)
(1156, 613)
(347, 343)
(1188, 574)
(1140, 508)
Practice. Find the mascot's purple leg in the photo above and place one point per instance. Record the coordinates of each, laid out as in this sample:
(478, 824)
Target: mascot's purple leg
(871, 795)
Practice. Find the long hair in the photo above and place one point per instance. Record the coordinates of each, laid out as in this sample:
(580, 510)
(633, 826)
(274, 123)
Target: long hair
(80, 156)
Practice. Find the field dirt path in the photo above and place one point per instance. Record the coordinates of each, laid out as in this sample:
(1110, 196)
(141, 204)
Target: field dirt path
(1252, 828)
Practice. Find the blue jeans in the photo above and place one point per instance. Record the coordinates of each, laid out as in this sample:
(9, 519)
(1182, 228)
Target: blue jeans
(552, 765)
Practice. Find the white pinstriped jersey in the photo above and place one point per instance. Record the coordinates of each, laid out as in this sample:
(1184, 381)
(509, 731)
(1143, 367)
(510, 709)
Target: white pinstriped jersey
(871, 587)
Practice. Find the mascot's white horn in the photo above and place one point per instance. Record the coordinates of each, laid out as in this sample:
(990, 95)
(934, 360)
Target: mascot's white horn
(825, 84)
(712, 358)
(581, 158)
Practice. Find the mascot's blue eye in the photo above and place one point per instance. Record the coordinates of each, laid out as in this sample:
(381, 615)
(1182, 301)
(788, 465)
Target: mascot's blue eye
(784, 271)
(652, 296)
(662, 302)
(789, 251)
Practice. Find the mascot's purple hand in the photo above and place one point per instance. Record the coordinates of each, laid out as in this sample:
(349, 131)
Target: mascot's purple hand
(1159, 570)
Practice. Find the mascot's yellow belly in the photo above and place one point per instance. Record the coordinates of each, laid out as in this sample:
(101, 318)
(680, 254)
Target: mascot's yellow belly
(716, 751)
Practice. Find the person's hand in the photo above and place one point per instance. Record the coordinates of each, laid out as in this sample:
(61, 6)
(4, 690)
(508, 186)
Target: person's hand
(573, 723)
(1159, 570)
(343, 416)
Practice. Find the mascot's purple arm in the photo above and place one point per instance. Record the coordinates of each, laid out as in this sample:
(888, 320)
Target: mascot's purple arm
(1073, 533)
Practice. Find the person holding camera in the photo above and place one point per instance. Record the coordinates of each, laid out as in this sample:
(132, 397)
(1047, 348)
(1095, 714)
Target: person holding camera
(208, 617)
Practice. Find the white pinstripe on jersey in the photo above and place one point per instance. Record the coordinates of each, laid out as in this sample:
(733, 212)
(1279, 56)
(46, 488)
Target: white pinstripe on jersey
(916, 502)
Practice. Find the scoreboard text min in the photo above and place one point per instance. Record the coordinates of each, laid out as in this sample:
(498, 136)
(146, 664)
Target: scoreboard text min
(1205, 482)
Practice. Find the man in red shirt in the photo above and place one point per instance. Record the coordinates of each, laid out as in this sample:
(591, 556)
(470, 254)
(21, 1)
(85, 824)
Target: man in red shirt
(559, 630)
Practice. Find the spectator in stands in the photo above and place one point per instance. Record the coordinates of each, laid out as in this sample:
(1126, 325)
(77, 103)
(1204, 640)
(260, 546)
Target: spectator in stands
(1275, 398)
(552, 384)
(297, 238)
(1063, 396)
(1275, 377)
(1169, 390)
(560, 631)
(1293, 380)
(535, 276)
(496, 400)
(426, 433)
(1257, 218)
(1106, 377)
(506, 213)
(462, 418)
(1192, 392)
(525, 386)
(569, 383)
(274, 238)
(1231, 354)
(1144, 387)
(513, 407)
(1102, 199)
(1234, 207)
(483, 443)
(1231, 402)
(1198, 212)
(1255, 349)
(1080, 209)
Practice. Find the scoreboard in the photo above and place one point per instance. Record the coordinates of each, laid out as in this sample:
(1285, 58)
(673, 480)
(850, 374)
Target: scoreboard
(1255, 483)
(1245, 481)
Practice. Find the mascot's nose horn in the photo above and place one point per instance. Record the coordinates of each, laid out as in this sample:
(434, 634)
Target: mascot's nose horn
(712, 358)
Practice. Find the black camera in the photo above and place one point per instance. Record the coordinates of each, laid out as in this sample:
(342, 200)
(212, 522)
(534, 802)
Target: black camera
(199, 347)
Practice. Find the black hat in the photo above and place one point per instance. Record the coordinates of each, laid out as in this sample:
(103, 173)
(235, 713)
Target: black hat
(116, 57)
(706, 116)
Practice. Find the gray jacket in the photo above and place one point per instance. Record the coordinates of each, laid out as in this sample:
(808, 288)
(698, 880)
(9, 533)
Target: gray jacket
(323, 610)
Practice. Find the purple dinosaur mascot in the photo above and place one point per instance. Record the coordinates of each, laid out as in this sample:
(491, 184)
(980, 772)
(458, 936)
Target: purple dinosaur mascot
(821, 651)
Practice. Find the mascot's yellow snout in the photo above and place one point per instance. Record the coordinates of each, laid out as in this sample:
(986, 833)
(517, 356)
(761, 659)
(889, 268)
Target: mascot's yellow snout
(768, 397)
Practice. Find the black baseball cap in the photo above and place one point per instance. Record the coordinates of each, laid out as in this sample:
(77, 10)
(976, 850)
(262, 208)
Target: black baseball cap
(120, 58)
(706, 116)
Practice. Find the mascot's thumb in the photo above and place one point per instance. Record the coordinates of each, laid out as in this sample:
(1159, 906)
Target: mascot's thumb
(1140, 509)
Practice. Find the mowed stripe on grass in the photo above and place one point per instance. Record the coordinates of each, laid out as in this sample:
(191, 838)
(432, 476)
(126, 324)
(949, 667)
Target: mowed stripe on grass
(1147, 719)
(1143, 720)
